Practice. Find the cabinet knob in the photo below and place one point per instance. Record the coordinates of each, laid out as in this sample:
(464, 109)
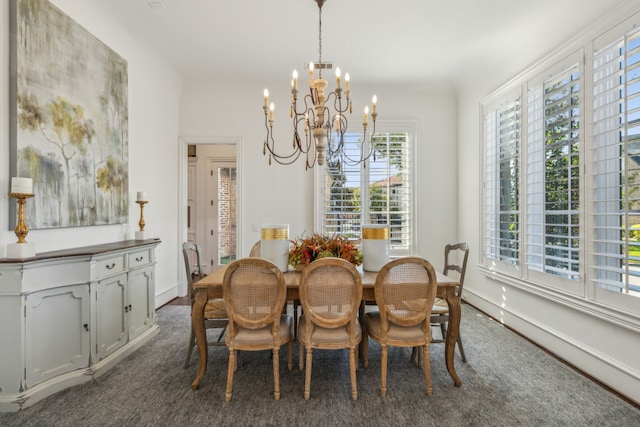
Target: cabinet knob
(138, 259)
(109, 267)
(86, 327)
(129, 307)
(126, 309)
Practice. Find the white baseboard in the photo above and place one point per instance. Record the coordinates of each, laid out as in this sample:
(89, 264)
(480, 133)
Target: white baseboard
(167, 295)
(616, 375)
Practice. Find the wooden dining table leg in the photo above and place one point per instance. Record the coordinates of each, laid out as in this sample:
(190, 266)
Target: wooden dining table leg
(361, 313)
(453, 330)
(197, 317)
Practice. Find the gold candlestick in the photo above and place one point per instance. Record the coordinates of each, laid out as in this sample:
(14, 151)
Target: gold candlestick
(21, 228)
(141, 223)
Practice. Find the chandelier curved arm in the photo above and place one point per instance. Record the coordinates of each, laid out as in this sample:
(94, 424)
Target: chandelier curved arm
(270, 143)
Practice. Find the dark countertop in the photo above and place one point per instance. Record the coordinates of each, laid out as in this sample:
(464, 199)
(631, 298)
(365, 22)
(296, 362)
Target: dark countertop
(85, 250)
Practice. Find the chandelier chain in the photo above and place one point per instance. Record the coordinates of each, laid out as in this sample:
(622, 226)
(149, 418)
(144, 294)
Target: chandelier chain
(320, 43)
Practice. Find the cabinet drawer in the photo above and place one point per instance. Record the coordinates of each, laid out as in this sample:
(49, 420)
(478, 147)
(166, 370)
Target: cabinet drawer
(108, 266)
(137, 259)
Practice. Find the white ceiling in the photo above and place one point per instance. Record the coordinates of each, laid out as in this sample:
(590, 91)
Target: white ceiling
(374, 40)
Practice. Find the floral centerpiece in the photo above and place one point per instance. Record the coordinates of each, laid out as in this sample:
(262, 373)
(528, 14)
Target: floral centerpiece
(305, 250)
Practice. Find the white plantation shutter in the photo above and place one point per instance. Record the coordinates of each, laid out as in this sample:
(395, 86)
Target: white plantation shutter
(553, 179)
(342, 201)
(502, 187)
(380, 193)
(616, 160)
(535, 180)
(491, 186)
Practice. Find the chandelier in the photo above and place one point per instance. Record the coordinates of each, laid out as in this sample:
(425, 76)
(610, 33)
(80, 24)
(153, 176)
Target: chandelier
(322, 120)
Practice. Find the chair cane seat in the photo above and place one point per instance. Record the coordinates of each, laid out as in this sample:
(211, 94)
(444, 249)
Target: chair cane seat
(215, 309)
(395, 333)
(440, 307)
(263, 335)
(322, 335)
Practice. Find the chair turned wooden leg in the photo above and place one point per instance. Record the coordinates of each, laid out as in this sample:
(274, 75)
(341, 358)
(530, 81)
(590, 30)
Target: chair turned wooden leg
(427, 370)
(365, 350)
(383, 371)
(300, 354)
(192, 343)
(231, 370)
(462, 355)
(276, 373)
(290, 354)
(307, 376)
(352, 369)
(296, 304)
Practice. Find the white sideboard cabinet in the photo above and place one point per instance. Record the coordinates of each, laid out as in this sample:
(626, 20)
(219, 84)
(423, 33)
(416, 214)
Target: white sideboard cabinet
(68, 316)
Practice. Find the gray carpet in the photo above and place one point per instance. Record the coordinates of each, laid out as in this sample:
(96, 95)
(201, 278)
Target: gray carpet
(506, 382)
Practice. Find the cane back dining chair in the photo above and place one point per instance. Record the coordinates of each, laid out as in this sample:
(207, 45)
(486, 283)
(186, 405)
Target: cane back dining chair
(405, 291)
(330, 295)
(256, 251)
(215, 314)
(254, 293)
(440, 312)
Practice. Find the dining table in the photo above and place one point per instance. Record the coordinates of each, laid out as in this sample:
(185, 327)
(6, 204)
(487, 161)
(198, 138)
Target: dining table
(210, 287)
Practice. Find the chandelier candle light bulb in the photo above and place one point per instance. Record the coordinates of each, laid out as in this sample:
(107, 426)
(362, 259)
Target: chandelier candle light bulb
(347, 77)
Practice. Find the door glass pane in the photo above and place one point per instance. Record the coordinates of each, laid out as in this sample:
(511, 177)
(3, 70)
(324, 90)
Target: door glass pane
(226, 215)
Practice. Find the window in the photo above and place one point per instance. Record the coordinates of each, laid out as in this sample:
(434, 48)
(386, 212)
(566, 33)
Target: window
(616, 168)
(375, 192)
(562, 174)
(502, 190)
(554, 175)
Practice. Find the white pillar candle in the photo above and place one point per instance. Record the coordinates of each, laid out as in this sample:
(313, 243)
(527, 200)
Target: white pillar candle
(22, 185)
(274, 244)
(375, 247)
(142, 196)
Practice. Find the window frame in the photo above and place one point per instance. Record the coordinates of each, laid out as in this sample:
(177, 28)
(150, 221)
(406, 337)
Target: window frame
(500, 101)
(383, 126)
(557, 283)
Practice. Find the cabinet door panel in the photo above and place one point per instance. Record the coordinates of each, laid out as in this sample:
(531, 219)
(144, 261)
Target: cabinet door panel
(111, 325)
(140, 301)
(57, 330)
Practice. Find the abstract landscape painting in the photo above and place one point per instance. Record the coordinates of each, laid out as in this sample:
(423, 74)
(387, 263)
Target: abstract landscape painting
(69, 119)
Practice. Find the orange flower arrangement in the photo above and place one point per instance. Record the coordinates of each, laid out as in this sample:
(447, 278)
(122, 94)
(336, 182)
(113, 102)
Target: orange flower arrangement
(305, 250)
